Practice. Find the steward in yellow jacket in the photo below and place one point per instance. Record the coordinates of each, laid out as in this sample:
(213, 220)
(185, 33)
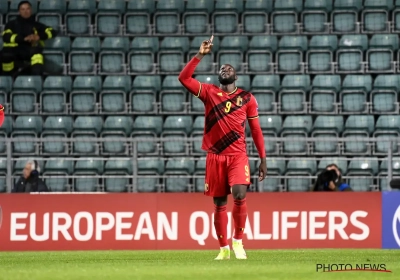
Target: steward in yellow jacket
(23, 42)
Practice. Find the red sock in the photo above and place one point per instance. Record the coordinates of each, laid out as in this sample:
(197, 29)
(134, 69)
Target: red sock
(239, 214)
(221, 224)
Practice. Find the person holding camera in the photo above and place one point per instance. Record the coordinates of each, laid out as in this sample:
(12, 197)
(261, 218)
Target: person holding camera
(330, 180)
(30, 181)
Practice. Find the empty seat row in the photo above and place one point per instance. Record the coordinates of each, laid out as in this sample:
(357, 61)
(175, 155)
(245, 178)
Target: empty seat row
(277, 166)
(187, 124)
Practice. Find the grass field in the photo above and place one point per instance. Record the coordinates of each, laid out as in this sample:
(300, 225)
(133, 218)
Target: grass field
(195, 265)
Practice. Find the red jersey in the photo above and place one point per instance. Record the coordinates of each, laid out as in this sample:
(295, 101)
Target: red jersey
(225, 119)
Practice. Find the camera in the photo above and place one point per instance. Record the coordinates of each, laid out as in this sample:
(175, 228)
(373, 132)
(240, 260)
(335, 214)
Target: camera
(327, 176)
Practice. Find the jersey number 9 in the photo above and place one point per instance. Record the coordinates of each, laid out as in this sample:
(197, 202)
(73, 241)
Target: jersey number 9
(228, 107)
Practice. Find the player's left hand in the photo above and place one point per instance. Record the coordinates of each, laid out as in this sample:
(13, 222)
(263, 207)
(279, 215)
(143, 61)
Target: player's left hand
(262, 170)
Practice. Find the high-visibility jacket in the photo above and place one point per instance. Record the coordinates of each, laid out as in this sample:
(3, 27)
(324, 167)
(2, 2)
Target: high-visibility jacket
(18, 29)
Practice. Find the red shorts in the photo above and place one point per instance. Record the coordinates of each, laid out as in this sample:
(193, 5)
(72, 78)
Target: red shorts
(223, 172)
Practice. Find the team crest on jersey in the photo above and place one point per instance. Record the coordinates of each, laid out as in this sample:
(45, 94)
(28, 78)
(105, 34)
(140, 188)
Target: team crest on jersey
(219, 93)
(239, 101)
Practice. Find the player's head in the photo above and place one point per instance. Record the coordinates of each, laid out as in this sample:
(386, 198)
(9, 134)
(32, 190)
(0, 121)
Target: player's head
(25, 9)
(227, 74)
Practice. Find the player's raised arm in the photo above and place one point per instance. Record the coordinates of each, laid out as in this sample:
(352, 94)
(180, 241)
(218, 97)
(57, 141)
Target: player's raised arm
(185, 77)
(258, 137)
(1, 115)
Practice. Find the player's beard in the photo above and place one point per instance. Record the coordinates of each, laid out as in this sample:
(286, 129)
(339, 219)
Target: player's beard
(226, 81)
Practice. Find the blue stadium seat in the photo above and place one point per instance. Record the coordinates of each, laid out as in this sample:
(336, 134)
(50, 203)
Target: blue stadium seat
(295, 130)
(167, 16)
(357, 130)
(259, 57)
(302, 168)
(171, 56)
(175, 168)
(196, 16)
(141, 55)
(113, 95)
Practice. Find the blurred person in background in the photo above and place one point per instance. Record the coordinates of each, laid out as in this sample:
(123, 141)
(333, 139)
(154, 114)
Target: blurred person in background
(30, 181)
(330, 180)
(23, 43)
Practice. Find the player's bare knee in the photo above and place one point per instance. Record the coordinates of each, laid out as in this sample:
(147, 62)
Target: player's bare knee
(239, 192)
(220, 201)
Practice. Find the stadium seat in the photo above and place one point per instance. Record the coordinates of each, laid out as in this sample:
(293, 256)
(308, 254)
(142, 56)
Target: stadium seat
(115, 169)
(50, 13)
(175, 168)
(78, 18)
(54, 168)
(59, 166)
(353, 97)
(82, 57)
(113, 94)
(54, 52)
(315, 16)
(384, 95)
(6, 128)
(324, 92)
(24, 94)
(167, 17)
(112, 55)
(148, 123)
(178, 124)
(302, 168)
(364, 166)
(345, 16)
(88, 124)
(340, 162)
(137, 18)
(53, 98)
(62, 124)
(171, 56)
(289, 57)
(198, 128)
(292, 96)
(3, 7)
(26, 127)
(172, 97)
(259, 57)
(350, 54)
(108, 18)
(295, 130)
(88, 168)
(225, 18)
(142, 97)
(255, 18)
(116, 127)
(149, 168)
(141, 55)
(284, 17)
(196, 16)
(327, 127)
(84, 94)
(265, 88)
(380, 55)
(320, 54)
(357, 130)
(375, 16)
(6, 83)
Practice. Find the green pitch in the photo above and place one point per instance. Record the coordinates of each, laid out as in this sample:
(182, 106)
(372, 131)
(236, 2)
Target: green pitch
(193, 265)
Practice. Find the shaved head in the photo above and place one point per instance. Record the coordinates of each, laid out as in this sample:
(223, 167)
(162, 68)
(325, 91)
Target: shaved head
(227, 74)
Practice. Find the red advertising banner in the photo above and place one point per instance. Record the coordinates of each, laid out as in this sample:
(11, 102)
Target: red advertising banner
(185, 221)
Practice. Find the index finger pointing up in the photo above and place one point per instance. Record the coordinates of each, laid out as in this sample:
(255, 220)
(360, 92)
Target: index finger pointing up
(212, 38)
